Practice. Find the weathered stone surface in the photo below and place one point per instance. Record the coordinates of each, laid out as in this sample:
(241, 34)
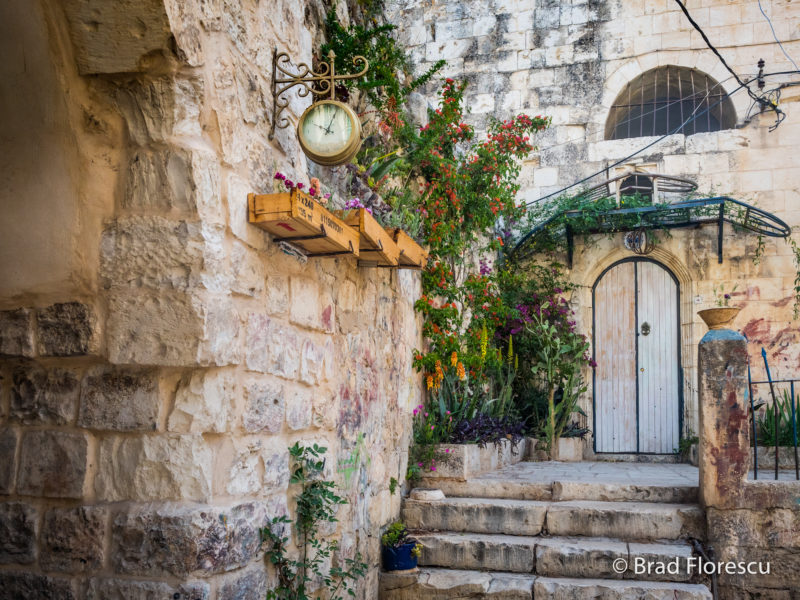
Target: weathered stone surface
(276, 466)
(16, 333)
(476, 551)
(517, 517)
(203, 403)
(118, 399)
(66, 329)
(247, 584)
(175, 540)
(221, 343)
(159, 180)
(18, 528)
(126, 589)
(154, 468)
(8, 464)
(153, 329)
(299, 406)
(432, 584)
(272, 347)
(587, 589)
(43, 396)
(18, 585)
(72, 539)
(160, 108)
(305, 308)
(277, 294)
(637, 520)
(240, 461)
(264, 407)
(152, 252)
(52, 464)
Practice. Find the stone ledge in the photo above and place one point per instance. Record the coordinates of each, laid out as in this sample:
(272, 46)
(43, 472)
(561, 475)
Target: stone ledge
(464, 461)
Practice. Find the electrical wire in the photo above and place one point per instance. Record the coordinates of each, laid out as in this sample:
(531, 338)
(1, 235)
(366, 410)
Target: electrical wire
(691, 118)
(761, 100)
(775, 35)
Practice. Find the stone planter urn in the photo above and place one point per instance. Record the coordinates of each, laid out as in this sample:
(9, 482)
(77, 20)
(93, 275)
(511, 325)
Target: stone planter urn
(719, 317)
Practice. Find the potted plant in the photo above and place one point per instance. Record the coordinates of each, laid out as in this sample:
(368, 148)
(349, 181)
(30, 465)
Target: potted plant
(399, 551)
(722, 315)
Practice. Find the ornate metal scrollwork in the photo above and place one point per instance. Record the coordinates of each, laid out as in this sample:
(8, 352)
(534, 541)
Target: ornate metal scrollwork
(283, 80)
(639, 241)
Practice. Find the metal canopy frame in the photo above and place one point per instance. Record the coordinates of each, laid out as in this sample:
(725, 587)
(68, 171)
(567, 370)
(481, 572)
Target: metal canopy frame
(688, 213)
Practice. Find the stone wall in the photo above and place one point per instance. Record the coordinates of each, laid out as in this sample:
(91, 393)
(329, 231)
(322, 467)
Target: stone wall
(146, 408)
(748, 521)
(569, 60)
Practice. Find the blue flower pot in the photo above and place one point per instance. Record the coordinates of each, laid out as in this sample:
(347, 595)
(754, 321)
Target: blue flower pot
(400, 558)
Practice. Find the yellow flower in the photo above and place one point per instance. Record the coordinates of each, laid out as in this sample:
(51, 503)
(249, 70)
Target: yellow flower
(439, 372)
(462, 374)
(430, 381)
(484, 342)
(453, 359)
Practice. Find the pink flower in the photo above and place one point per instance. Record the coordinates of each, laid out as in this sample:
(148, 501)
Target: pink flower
(426, 414)
(432, 426)
(419, 464)
(433, 468)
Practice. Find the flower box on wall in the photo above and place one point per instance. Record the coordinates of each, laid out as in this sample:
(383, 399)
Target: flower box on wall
(377, 248)
(297, 218)
(412, 255)
(463, 461)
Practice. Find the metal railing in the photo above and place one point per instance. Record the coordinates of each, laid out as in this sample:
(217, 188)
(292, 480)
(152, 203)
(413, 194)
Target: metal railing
(780, 410)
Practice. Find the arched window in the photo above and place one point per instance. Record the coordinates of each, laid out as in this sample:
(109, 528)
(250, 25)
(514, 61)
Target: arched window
(660, 100)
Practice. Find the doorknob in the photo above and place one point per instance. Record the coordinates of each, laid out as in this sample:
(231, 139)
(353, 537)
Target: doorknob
(645, 328)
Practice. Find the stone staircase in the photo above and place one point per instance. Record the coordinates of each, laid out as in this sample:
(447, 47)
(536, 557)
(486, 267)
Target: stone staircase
(510, 539)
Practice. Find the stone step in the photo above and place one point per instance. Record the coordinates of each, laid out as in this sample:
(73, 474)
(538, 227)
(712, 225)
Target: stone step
(485, 487)
(623, 520)
(614, 589)
(447, 584)
(626, 520)
(554, 556)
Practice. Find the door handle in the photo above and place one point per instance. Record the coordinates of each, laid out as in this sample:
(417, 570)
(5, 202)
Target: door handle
(645, 328)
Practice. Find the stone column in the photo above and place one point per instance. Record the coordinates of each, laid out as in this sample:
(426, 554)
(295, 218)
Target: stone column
(724, 439)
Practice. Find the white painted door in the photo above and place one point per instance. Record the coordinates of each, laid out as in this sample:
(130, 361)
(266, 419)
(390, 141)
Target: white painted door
(637, 378)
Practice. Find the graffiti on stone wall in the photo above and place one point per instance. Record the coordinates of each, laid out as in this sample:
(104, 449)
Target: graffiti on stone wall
(350, 465)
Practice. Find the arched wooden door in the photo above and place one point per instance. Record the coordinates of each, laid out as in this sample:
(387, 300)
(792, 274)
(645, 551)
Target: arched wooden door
(637, 381)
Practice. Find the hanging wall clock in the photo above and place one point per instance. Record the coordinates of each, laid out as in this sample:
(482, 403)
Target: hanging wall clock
(329, 131)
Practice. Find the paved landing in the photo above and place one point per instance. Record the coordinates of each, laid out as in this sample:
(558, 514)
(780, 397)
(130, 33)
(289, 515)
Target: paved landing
(649, 474)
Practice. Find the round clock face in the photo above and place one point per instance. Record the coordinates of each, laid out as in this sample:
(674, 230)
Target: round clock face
(329, 132)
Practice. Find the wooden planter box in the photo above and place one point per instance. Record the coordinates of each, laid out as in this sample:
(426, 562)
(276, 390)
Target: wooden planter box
(297, 218)
(412, 255)
(376, 247)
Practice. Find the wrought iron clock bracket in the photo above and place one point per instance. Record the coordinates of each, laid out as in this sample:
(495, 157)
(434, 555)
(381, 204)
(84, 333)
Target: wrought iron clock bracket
(317, 84)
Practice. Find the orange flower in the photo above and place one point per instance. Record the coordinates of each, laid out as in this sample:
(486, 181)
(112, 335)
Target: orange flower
(453, 359)
(439, 372)
(460, 370)
(430, 382)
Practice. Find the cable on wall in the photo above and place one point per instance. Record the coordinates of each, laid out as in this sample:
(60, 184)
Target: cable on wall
(775, 35)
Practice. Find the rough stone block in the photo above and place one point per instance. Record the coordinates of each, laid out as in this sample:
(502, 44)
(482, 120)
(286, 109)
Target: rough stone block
(16, 333)
(153, 329)
(152, 252)
(72, 539)
(159, 180)
(277, 295)
(17, 533)
(305, 308)
(126, 589)
(180, 541)
(299, 407)
(203, 403)
(154, 468)
(272, 347)
(276, 466)
(247, 584)
(114, 39)
(119, 399)
(67, 329)
(221, 342)
(8, 450)
(240, 461)
(264, 408)
(52, 464)
(40, 395)
(18, 585)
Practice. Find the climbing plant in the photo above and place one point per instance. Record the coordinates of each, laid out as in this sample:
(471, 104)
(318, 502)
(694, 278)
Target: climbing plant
(316, 504)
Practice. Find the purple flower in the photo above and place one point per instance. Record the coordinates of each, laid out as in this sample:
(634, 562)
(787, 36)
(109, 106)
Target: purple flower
(299, 186)
(485, 268)
(279, 175)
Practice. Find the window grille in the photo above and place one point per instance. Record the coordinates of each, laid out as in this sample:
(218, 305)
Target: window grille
(659, 101)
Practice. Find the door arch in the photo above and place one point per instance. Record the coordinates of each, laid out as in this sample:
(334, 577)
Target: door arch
(637, 383)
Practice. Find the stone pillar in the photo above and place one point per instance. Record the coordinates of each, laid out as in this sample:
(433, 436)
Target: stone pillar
(724, 438)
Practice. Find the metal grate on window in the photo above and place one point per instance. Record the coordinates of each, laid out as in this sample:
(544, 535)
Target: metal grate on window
(663, 99)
